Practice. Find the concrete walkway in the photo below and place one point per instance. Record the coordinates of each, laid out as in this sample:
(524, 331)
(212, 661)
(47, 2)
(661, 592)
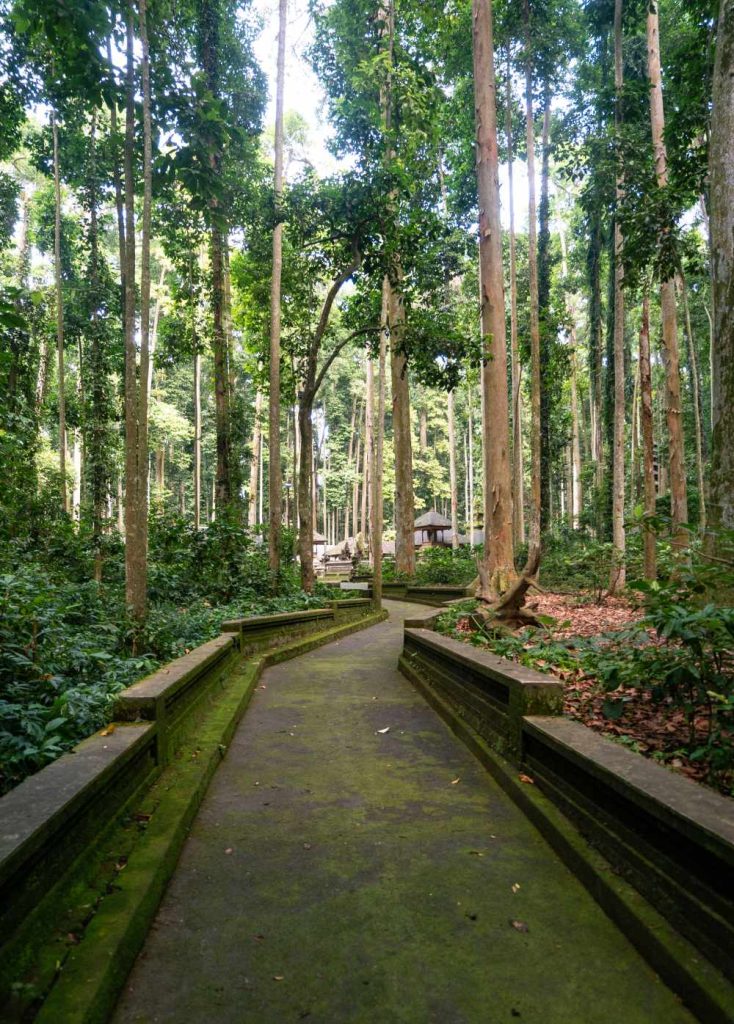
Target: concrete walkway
(337, 873)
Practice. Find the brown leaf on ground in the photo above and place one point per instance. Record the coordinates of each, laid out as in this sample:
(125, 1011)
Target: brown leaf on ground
(526, 779)
(519, 926)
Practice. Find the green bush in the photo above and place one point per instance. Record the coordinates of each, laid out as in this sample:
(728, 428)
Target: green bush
(65, 641)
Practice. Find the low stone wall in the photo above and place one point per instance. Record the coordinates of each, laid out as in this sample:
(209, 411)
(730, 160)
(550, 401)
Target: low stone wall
(490, 693)
(668, 838)
(437, 594)
(672, 838)
(55, 823)
(258, 632)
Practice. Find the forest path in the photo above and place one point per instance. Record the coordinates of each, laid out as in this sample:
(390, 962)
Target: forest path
(339, 874)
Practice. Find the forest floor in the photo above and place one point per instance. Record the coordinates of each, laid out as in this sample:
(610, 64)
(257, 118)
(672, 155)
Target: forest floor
(651, 727)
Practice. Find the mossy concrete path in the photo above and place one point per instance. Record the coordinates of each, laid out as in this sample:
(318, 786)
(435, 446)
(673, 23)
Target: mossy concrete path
(352, 862)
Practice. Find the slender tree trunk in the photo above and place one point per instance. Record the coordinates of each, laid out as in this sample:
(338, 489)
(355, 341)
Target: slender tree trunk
(648, 449)
(402, 438)
(722, 245)
(577, 497)
(544, 312)
(141, 555)
(452, 472)
(470, 516)
(305, 493)
(423, 430)
(678, 495)
(59, 314)
(255, 461)
(518, 499)
(134, 561)
(617, 575)
(368, 448)
(209, 25)
(197, 441)
(376, 467)
(355, 483)
(275, 483)
(535, 381)
(697, 409)
(498, 558)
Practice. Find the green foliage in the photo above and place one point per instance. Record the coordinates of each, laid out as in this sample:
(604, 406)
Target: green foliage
(65, 641)
(444, 565)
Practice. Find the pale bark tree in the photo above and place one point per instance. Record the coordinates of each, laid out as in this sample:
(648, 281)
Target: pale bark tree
(452, 472)
(498, 559)
(648, 449)
(535, 381)
(722, 246)
(59, 313)
(696, 396)
(376, 459)
(518, 498)
(197, 441)
(402, 439)
(366, 516)
(255, 461)
(618, 572)
(275, 483)
(678, 491)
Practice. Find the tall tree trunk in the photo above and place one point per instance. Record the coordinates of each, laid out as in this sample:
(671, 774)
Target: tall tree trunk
(648, 450)
(59, 314)
(355, 483)
(209, 24)
(402, 439)
(722, 245)
(376, 467)
(596, 343)
(305, 494)
(697, 408)
(518, 511)
(197, 441)
(544, 313)
(119, 202)
(255, 461)
(470, 431)
(678, 495)
(368, 447)
(134, 556)
(617, 575)
(498, 558)
(576, 496)
(98, 473)
(452, 473)
(275, 483)
(535, 381)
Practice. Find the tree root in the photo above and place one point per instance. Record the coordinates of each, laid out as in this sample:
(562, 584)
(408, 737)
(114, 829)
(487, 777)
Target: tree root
(508, 612)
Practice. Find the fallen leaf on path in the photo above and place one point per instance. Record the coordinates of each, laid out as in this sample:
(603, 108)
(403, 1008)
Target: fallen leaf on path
(454, 781)
(516, 887)
(229, 850)
(476, 853)
(519, 926)
(278, 977)
(526, 779)
(259, 938)
(383, 731)
(306, 846)
(108, 731)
